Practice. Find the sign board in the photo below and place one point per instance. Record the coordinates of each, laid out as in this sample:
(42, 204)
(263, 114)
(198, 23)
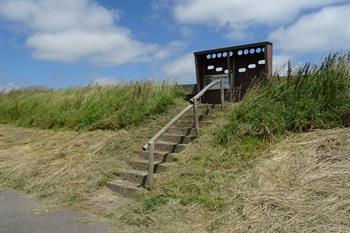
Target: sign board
(239, 65)
(211, 78)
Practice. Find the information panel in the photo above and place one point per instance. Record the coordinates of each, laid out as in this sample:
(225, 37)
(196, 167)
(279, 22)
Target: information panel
(211, 78)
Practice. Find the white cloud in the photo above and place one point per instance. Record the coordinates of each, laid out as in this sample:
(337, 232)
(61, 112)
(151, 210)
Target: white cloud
(317, 32)
(280, 64)
(239, 15)
(110, 47)
(67, 31)
(58, 15)
(8, 87)
(106, 81)
(181, 70)
(172, 47)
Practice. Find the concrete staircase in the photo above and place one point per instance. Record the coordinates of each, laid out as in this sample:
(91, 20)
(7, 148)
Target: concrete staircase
(173, 141)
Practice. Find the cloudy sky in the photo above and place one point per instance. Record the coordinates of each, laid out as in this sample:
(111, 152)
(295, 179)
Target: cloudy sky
(62, 43)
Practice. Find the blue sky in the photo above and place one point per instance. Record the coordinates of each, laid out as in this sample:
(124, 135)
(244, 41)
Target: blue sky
(64, 43)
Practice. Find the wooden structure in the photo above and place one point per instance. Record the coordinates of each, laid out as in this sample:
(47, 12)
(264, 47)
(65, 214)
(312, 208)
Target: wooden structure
(222, 74)
(149, 146)
(239, 66)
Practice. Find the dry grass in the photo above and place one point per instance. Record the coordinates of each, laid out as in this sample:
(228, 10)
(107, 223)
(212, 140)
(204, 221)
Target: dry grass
(68, 168)
(63, 167)
(172, 218)
(304, 187)
(299, 185)
(186, 194)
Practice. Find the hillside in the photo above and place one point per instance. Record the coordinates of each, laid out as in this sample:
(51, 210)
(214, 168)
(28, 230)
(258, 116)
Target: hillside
(87, 108)
(200, 193)
(275, 161)
(69, 168)
(302, 185)
(298, 185)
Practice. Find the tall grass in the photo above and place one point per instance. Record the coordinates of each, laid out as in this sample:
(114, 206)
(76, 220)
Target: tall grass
(311, 97)
(110, 107)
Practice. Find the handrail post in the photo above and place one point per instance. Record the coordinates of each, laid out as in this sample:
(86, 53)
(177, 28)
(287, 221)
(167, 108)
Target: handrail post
(150, 165)
(222, 93)
(195, 115)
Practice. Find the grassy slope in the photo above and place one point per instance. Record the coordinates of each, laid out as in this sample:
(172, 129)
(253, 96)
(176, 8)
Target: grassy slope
(299, 185)
(68, 168)
(303, 187)
(198, 193)
(112, 107)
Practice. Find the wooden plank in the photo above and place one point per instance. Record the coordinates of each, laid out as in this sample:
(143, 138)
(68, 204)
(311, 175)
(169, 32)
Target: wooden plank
(222, 92)
(233, 78)
(151, 166)
(195, 113)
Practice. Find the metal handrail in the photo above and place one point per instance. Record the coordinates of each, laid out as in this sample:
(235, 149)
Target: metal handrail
(193, 104)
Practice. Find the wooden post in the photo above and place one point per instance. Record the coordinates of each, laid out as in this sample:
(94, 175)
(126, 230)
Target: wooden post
(222, 92)
(150, 165)
(195, 114)
(198, 75)
(233, 78)
(229, 68)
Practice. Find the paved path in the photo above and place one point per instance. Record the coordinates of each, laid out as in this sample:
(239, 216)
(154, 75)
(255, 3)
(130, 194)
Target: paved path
(17, 215)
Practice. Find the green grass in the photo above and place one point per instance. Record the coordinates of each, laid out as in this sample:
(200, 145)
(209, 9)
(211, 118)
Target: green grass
(314, 97)
(201, 189)
(90, 108)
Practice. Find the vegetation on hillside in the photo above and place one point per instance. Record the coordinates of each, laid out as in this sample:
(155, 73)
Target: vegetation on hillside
(211, 188)
(69, 168)
(314, 97)
(111, 107)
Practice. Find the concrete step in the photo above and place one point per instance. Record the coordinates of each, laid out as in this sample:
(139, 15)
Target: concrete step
(190, 123)
(208, 106)
(201, 117)
(161, 156)
(202, 111)
(136, 176)
(142, 164)
(125, 188)
(188, 131)
(177, 138)
(170, 147)
(171, 142)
